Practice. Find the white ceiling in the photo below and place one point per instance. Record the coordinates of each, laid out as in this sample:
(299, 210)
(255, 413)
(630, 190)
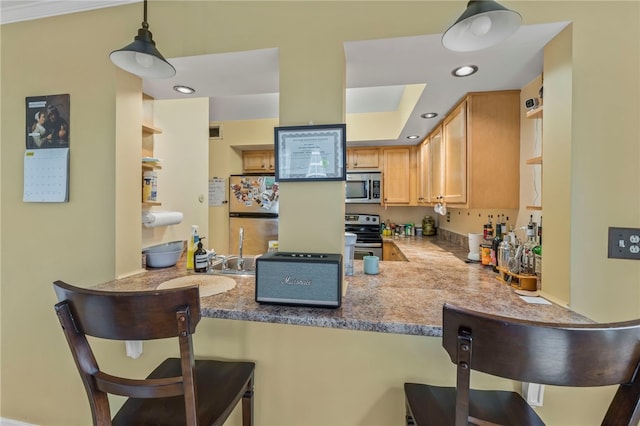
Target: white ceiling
(244, 85)
(25, 10)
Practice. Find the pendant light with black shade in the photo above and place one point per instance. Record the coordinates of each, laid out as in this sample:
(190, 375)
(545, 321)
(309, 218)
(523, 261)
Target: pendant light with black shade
(483, 24)
(141, 57)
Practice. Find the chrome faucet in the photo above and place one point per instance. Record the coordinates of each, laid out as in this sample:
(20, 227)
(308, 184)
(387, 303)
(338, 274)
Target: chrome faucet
(240, 264)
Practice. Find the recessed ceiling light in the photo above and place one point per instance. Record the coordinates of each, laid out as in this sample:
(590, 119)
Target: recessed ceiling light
(464, 71)
(183, 89)
(413, 137)
(429, 115)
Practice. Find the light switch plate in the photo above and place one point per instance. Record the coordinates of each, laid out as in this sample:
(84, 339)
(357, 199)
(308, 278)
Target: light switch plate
(624, 243)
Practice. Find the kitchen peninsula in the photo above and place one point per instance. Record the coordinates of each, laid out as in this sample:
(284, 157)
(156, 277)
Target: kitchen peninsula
(404, 298)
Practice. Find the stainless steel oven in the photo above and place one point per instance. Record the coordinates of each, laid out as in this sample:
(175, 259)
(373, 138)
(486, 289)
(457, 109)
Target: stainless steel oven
(363, 187)
(367, 230)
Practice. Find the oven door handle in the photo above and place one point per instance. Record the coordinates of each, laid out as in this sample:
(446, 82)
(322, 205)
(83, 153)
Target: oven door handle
(363, 245)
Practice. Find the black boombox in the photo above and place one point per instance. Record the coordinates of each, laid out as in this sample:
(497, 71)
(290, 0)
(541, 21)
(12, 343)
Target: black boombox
(299, 279)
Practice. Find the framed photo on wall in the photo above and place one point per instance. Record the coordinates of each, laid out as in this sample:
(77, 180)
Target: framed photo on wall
(311, 153)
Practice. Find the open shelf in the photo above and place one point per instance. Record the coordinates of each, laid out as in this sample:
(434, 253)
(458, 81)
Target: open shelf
(535, 113)
(534, 207)
(151, 166)
(148, 128)
(535, 160)
(151, 204)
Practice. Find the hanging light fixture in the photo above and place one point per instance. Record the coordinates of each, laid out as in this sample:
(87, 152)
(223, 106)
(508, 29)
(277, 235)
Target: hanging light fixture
(483, 24)
(141, 57)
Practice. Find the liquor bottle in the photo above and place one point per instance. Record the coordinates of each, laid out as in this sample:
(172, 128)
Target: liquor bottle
(540, 232)
(537, 251)
(528, 257)
(488, 229)
(495, 244)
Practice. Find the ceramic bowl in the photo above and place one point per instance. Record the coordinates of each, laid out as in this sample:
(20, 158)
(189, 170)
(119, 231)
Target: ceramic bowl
(163, 259)
(166, 247)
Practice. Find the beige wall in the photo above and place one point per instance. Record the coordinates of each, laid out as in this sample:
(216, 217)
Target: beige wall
(301, 371)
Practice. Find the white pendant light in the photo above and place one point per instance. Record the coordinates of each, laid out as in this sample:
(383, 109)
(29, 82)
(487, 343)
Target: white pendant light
(483, 24)
(141, 57)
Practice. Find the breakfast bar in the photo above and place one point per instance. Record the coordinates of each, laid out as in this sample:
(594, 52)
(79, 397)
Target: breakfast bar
(353, 359)
(403, 298)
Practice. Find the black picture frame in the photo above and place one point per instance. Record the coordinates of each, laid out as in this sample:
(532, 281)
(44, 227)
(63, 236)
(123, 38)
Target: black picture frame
(310, 153)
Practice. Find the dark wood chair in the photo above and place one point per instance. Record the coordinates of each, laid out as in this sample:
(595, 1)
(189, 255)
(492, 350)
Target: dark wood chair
(180, 391)
(527, 351)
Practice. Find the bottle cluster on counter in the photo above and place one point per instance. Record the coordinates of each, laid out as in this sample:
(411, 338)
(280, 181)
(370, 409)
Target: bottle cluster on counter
(388, 228)
(518, 262)
(399, 230)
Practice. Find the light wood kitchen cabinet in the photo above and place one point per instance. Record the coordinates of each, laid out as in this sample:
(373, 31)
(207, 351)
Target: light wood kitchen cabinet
(399, 172)
(391, 252)
(363, 158)
(493, 149)
(454, 156)
(432, 178)
(475, 156)
(445, 158)
(424, 171)
(258, 161)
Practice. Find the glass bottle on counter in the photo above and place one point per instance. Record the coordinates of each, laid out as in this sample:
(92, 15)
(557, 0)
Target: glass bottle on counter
(191, 246)
(537, 253)
(488, 229)
(505, 252)
(528, 257)
(495, 245)
(540, 232)
(200, 260)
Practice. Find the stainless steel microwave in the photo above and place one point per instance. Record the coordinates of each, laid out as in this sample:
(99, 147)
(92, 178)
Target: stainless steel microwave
(364, 187)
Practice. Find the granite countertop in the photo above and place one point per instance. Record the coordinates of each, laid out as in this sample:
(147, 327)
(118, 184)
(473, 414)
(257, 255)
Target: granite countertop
(404, 298)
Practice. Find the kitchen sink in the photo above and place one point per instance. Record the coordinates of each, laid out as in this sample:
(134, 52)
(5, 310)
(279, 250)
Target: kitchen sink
(229, 266)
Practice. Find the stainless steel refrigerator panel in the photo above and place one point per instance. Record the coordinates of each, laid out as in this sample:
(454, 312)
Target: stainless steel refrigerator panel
(257, 233)
(253, 194)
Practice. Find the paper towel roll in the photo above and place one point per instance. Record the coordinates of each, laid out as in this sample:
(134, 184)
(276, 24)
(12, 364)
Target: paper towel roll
(154, 219)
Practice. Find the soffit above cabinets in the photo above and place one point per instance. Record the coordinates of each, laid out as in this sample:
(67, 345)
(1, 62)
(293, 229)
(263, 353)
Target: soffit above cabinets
(378, 72)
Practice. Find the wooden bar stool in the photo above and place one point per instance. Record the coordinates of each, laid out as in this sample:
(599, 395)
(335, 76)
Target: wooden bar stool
(180, 391)
(554, 354)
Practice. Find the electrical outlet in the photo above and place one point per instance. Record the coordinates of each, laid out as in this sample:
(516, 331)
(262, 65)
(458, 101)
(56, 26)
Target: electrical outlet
(624, 243)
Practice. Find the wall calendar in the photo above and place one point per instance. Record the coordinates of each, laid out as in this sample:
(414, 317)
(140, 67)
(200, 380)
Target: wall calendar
(46, 175)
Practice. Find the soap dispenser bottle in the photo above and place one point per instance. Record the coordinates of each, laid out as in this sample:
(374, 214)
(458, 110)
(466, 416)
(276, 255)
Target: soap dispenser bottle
(191, 246)
(200, 258)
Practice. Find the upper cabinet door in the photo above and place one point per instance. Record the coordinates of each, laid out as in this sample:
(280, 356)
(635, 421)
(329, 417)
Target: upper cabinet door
(436, 162)
(363, 158)
(396, 176)
(424, 172)
(455, 155)
(258, 162)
